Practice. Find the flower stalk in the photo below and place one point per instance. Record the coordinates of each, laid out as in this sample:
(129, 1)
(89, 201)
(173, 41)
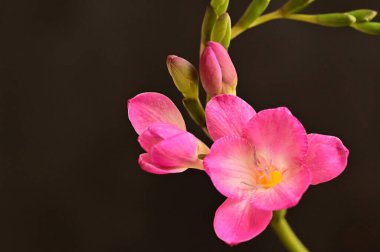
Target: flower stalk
(195, 109)
(285, 233)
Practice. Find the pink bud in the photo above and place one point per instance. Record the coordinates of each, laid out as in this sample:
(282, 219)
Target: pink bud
(217, 72)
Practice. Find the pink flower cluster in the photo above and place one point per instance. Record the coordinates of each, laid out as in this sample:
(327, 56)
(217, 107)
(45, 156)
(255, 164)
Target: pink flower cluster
(261, 161)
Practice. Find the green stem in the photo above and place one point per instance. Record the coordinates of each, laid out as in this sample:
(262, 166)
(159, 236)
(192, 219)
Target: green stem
(267, 17)
(237, 30)
(197, 113)
(303, 18)
(285, 233)
(195, 109)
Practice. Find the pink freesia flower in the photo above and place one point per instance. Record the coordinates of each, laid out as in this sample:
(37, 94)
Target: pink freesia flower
(262, 162)
(162, 134)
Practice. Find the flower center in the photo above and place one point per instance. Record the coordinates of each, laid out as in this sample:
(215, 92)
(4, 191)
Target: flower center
(267, 175)
(268, 179)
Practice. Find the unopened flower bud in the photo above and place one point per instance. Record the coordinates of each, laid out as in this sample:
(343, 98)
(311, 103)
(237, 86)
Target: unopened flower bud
(372, 28)
(221, 32)
(254, 10)
(329, 19)
(219, 6)
(217, 72)
(207, 26)
(335, 19)
(363, 15)
(184, 75)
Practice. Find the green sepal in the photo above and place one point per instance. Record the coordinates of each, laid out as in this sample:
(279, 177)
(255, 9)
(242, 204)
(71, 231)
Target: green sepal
(372, 28)
(363, 15)
(254, 10)
(219, 6)
(293, 6)
(221, 32)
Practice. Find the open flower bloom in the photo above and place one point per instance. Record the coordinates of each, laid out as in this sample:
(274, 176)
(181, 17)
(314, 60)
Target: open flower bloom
(162, 134)
(262, 162)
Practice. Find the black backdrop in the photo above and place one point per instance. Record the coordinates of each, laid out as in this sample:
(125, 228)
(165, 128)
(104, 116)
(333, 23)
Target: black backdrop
(69, 179)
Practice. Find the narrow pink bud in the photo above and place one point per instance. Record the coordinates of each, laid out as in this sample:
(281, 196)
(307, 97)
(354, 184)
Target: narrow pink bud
(217, 72)
(210, 72)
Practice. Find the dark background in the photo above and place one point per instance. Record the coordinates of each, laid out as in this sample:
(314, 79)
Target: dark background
(69, 178)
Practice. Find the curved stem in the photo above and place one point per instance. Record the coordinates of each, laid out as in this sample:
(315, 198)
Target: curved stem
(236, 30)
(303, 18)
(285, 233)
(267, 17)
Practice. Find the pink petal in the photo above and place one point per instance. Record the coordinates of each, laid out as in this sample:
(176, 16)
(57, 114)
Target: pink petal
(280, 139)
(177, 151)
(285, 194)
(147, 108)
(326, 157)
(227, 115)
(146, 164)
(155, 133)
(237, 221)
(230, 167)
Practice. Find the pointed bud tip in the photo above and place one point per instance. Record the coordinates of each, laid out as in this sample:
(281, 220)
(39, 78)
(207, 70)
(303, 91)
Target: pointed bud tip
(170, 59)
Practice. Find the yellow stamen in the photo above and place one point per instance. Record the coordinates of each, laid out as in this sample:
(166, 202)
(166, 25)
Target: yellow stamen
(270, 180)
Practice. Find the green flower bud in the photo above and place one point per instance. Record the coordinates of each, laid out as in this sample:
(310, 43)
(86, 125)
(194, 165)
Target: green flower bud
(219, 6)
(221, 32)
(372, 28)
(293, 6)
(363, 15)
(184, 76)
(207, 26)
(330, 19)
(335, 19)
(254, 10)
